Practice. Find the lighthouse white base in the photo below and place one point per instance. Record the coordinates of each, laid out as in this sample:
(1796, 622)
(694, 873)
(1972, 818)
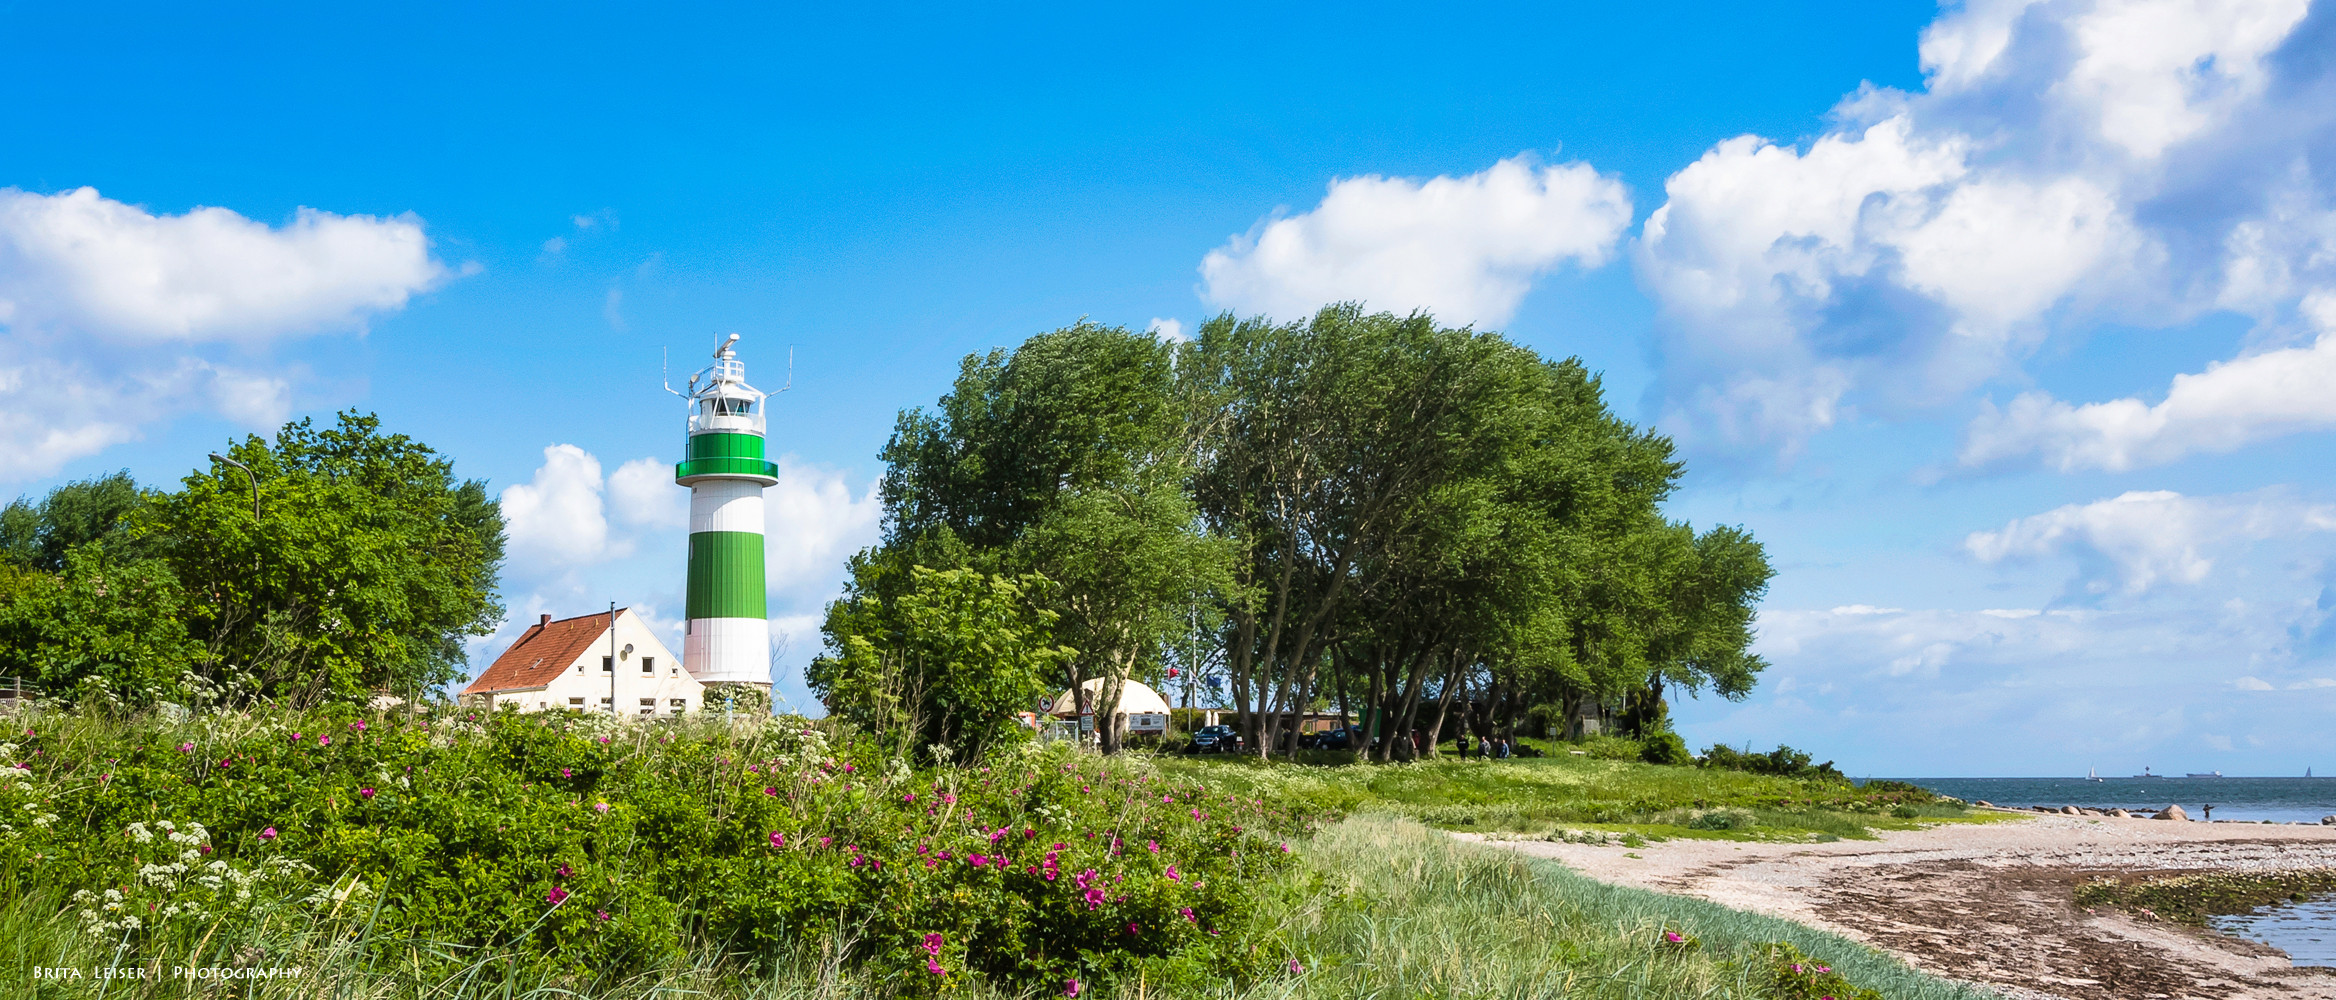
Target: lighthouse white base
(728, 650)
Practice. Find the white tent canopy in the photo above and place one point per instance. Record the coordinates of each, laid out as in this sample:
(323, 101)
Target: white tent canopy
(1134, 699)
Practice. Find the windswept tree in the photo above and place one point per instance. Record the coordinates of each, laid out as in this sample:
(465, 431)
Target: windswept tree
(1435, 525)
(1065, 458)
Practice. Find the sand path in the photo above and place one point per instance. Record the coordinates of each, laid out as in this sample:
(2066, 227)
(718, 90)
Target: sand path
(1991, 903)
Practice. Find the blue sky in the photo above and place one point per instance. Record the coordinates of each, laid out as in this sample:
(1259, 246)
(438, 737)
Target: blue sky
(2002, 324)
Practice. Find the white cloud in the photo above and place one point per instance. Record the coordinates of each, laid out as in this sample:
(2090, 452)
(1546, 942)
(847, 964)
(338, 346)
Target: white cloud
(643, 493)
(2143, 538)
(1465, 248)
(101, 301)
(82, 262)
(2229, 405)
(2070, 162)
(556, 521)
(1170, 330)
(1903, 694)
(813, 523)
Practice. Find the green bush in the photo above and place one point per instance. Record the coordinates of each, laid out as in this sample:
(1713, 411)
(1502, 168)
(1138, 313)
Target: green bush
(1783, 762)
(1665, 748)
(604, 847)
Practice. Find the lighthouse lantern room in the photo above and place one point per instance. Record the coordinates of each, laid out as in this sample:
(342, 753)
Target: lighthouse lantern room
(728, 639)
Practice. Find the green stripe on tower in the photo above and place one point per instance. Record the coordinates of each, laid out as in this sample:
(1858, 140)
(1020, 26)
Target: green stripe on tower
(725, 575)
(725, 446)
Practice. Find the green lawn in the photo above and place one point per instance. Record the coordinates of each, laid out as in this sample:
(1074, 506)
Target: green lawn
(1552, 795)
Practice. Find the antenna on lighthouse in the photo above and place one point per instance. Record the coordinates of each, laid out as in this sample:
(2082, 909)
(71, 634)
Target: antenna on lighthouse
(722, 350)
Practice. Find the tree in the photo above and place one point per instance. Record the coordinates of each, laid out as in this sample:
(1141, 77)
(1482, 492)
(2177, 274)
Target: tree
(88, 512)
(1065, 458)
(947, 660)
(367, 564)
(100, 632)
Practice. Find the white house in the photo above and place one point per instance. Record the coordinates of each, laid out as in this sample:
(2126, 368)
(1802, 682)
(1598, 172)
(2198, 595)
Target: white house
(583, 664)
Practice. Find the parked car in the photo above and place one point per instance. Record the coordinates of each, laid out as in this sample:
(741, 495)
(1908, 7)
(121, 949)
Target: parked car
(1334, 739)
(1216, 739)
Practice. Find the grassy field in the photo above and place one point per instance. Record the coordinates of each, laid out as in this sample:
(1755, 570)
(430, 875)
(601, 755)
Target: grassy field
(1555, 795)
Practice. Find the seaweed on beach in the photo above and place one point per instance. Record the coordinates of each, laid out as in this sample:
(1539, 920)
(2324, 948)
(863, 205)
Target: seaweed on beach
(2191, 898)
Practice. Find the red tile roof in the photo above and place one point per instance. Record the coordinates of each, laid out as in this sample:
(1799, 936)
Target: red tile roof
(545, 649)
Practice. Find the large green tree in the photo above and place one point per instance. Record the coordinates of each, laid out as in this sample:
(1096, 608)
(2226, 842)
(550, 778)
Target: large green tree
(365, 566)
(1065, 458)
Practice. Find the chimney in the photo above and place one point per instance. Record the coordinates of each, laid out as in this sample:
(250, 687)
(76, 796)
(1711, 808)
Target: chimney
(543, 621)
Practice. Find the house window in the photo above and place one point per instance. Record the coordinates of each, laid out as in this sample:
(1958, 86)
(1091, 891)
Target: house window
(679, 705)
(648, 664)
(648, 706)
(576, 703)
(608, 664)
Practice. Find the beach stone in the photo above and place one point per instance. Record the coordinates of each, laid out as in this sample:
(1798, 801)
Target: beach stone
(2069, 811)
(2328, 821)
(1984, 804)
(2089, 812)
(2172, 812)
(2120, 814)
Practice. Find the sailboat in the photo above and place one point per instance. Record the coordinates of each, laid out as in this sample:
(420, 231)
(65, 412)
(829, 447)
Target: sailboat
(2091, 774)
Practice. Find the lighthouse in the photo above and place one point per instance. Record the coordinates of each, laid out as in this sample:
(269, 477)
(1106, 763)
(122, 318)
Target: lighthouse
(728, 638)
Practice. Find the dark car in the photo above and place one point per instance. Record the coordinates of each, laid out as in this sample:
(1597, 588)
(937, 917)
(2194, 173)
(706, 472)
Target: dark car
(1336, 739)
(1216, 739)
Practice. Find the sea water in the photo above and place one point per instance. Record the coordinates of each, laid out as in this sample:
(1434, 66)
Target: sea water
(2280, 800)
(2306, 931)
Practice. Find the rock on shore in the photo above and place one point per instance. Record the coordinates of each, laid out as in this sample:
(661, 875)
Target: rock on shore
(2172, 812)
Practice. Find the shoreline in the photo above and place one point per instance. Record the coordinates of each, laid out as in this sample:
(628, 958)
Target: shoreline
(1991, 903)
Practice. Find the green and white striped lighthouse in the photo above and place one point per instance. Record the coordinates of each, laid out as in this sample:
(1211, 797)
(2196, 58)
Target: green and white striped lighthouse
(729, 637)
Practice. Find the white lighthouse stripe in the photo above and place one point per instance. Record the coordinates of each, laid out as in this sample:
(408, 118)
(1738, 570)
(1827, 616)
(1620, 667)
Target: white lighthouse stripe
(725, 505)
(728, 650)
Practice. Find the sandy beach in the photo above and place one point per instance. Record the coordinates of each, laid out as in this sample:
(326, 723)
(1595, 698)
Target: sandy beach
(1991, 903)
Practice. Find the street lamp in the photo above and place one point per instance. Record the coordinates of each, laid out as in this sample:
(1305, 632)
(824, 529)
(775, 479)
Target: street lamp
(247, 474)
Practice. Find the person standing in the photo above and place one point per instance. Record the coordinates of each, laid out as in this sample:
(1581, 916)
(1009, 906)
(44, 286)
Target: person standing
(1483, 748)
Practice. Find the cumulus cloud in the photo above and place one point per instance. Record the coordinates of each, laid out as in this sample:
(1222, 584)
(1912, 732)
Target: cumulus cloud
(2140, 539)
(83, 276)
(1170, 330)
(2229, 405)
(1465, 248)
(814, 522)
(557, 520)
(643, 493)
(2068, 162)
(82, 262)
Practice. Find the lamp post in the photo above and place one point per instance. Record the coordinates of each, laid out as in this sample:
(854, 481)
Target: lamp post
(247, 474)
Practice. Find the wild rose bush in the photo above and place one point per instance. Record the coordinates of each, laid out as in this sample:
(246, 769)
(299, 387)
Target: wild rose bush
(593, 844)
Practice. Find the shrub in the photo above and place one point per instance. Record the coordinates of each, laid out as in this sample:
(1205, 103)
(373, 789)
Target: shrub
(1664, 748)
(591, 844)
(1784, 762)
